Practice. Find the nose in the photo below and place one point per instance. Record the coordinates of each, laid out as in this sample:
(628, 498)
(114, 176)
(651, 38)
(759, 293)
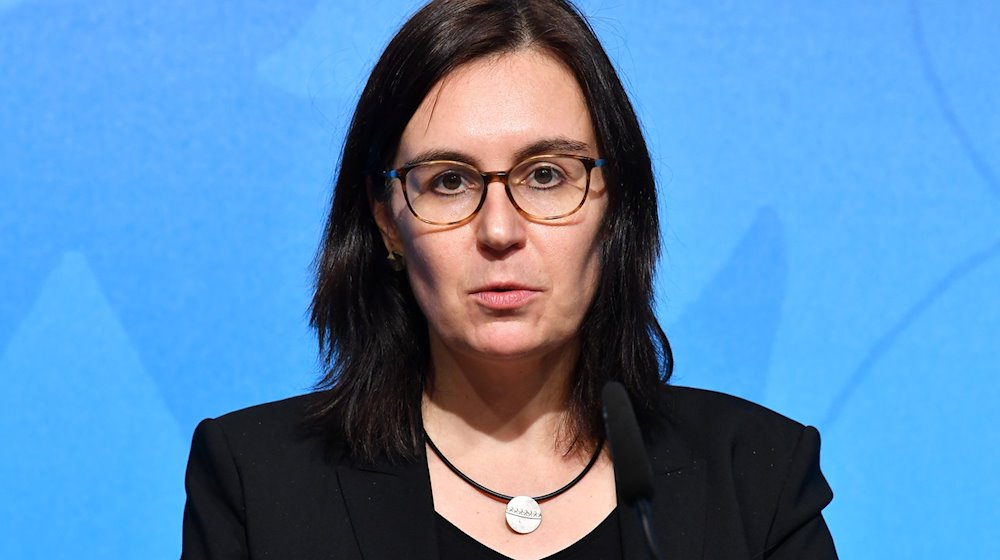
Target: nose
(499, 226)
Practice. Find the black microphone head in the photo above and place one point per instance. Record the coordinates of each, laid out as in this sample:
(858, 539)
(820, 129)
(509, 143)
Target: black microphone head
(633, 475)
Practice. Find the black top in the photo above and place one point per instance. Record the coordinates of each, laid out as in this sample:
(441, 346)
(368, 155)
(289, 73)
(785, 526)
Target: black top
(731, 479)
(603, 543)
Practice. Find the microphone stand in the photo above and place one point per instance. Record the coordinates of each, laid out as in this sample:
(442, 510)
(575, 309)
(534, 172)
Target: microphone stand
(644, 509)
(633, 475)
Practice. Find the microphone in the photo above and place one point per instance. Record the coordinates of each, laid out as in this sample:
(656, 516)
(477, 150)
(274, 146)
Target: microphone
(633, 475)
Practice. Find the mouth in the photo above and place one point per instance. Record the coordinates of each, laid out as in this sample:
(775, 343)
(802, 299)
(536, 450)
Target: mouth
(503, 288)
(504, 296)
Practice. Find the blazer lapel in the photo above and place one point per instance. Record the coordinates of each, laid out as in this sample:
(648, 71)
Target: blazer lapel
(678, 500)
(391, 509)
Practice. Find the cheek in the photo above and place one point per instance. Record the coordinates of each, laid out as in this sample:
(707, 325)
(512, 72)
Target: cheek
(419, 266)
(588, 247)
(433, 273)
(590, 271)
(423, 285)
(579, 269)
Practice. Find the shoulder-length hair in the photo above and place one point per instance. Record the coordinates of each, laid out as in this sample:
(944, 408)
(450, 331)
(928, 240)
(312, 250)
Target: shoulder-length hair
(372, 335)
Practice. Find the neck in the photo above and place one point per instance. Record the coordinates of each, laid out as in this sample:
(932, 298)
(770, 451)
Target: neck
(469, 398)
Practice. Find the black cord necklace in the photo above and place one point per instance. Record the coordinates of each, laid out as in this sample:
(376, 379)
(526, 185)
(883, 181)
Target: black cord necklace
(523, 513)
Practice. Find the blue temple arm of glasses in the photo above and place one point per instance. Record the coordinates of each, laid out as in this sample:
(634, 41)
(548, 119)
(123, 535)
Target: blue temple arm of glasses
(598, 163)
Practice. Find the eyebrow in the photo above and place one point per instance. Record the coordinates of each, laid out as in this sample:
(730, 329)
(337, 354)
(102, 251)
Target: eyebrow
(559, 144)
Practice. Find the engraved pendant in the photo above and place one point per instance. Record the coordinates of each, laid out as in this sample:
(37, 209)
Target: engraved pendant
(523, 514)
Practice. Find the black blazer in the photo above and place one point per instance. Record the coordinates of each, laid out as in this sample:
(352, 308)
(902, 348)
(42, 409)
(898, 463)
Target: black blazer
(732, 480)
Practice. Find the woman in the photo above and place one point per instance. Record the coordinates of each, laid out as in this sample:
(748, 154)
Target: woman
(486, 269)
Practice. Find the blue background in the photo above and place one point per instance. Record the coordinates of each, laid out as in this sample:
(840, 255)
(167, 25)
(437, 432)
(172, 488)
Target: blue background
(831, 204)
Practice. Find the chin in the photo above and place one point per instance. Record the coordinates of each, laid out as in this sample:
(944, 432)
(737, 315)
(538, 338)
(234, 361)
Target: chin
(511, 346)
(508, 353)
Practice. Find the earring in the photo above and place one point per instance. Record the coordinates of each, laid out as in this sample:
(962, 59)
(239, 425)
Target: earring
(396, 261)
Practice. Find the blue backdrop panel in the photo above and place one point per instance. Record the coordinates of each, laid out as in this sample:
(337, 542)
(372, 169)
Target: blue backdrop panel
(831, 203)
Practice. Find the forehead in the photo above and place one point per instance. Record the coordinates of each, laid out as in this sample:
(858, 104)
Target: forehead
(493, 108)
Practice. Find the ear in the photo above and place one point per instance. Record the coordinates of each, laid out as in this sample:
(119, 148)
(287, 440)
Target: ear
(382, 212)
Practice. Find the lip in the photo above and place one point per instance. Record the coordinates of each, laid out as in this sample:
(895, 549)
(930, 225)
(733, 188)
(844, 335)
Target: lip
(504, 297)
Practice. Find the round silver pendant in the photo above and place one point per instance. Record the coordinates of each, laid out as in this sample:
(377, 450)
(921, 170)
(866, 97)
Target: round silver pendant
(523, 514)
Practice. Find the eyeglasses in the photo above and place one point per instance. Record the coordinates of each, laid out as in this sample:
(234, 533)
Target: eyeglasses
(545, 187)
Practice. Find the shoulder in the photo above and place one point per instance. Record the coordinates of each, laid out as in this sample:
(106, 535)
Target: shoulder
(754, 451)
(267, 439)
(734, 434)
(267, 419)
(762, 468)
(717, 415)
(264, 471)
(268, 426)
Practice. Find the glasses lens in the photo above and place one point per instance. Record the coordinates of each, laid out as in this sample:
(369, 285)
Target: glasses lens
(549, 186)
(443, 192)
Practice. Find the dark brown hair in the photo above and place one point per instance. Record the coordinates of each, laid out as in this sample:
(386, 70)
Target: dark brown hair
(372, 335)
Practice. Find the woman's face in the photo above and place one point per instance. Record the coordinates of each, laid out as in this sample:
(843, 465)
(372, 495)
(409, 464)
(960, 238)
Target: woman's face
(501, 286)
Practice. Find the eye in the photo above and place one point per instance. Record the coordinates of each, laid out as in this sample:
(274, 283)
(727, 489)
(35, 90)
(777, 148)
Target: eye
(443, 179)
(450, 181)
(544, 176)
